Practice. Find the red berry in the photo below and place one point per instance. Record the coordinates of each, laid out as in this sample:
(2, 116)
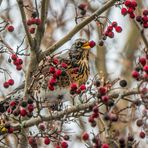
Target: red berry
(105, 98)
(142, 134)
(29, 22)
(145, 12)
(127, 3)
(64, 65)
(20, 61)
(58, 72)
(31, 140)
(109, 28)
(52, 70)
(105, 145)
(9, 110)
(23, 112)
(42, 127)
(10, 28)
(130, 10)
(118, 29)
(85, 136)
(95, 115)
(139, 18)
(46, 140)
(95, 109)
(111, 34)
(11, 81)
(10, 130)
(145, 68)
(83, 87)
(55, 61)
(52, 81)
(73, 86)
(114, 24)
(102, 90)
(14, 57)
(132, 15)
(123, 11)
(92, 44)
(33, 20)
(145, 25)
(6, 84)
(133, 4)
(37, 21)
(64, 144)
(142, 60)
(51, 87)
(145, 19)
(91, 119)
(30, 107)
(135, 74)
(57, 146)
(18, 67)
(32, 30)
(12, 103)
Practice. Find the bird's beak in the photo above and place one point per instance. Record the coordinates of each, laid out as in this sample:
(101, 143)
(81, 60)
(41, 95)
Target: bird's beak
(86, 45)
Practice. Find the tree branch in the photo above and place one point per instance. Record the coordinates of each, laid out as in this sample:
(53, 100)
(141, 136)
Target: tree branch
(76, 29)
(68, 111)
(20, 4)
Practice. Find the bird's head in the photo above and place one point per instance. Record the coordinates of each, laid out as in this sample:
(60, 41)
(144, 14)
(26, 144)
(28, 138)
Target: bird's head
(80, 49)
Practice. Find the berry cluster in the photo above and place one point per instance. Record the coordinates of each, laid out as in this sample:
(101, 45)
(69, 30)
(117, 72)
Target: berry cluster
(21, 108)
(74, 89)
(83, 8)
(8, 83)
(130, 7)
(141, 70)
(17, 61)
(109, 32)
(143, 20)
(57, 69)
(33, 21)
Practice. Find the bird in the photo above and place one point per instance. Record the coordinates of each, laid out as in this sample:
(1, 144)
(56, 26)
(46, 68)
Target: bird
(76, 59)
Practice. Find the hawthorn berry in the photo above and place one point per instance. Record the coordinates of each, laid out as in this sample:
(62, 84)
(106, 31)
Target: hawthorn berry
(135, 74)
(132, 15)
(31, 140)
(102, 90)
(145, 68)
(64, 65)
(139, 18)
(52, 81)
(123, 83)
(124, 11)
(145, 12)
(6, 84)
(133, 4)
(92, 44)
(90, 119)
(58, 72)
(127, 3)
(85, 136)
(142, 134)
(55, 61)
(18, 67)
(30, 107)
(14, 57)
(83, 87)
(51, 87)
(11, 81)
(64, 144)
(12, 103)
(10, 28)
(23, 112)
(37, 21)
(10, 130)
(95, 109)
(73, 86)
(29, 22)
(118, 29)
(46, 140)
(32, 30)
(114, 24)
(142, 61)
(52, 70)
(42, 127)
(19, 61)
(105, 145)
(111, 34)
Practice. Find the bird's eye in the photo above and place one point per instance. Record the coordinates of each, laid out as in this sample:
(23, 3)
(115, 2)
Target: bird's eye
(79, 44)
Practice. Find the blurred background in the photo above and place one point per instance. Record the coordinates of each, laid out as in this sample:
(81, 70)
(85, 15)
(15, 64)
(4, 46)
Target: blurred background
(115, 59)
